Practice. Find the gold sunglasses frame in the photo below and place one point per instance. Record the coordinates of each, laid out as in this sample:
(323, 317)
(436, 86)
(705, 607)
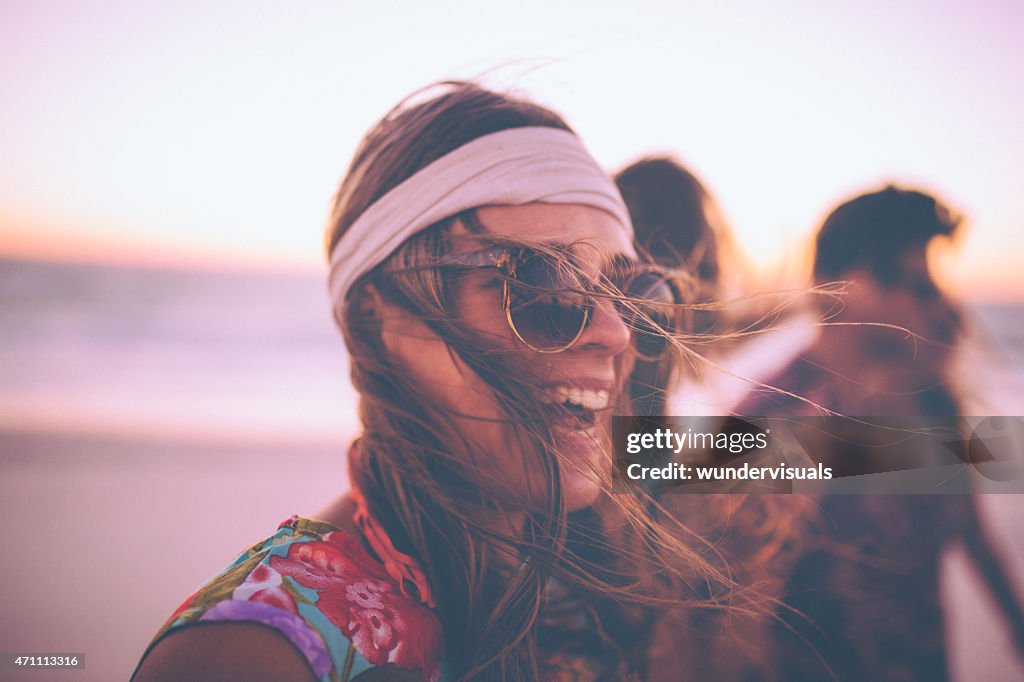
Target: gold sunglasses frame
(503, 258)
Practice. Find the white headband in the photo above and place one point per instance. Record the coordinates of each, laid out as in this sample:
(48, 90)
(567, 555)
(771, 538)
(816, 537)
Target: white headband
(511, 167)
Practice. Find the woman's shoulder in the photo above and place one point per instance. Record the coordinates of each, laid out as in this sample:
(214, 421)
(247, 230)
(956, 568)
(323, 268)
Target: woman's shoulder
(319, 588)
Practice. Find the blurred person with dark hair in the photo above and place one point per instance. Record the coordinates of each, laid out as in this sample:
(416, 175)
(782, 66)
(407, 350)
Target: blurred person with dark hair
(678, 225)
(865, 602)
(864, 361)
(673, 216)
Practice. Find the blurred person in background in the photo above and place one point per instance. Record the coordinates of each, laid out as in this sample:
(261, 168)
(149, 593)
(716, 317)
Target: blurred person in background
(865, 595)
(732, 335)
(878, 244)
(679, 225)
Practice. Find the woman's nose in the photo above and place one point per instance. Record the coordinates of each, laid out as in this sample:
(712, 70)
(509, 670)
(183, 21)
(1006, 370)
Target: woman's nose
(606, 330)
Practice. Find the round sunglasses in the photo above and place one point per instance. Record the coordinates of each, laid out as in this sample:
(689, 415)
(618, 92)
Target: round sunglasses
(548, 303)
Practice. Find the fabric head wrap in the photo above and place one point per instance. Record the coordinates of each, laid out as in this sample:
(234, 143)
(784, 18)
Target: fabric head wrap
(511, 167)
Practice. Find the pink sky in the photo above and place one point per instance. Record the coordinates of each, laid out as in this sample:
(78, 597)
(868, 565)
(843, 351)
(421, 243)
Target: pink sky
(214, 134)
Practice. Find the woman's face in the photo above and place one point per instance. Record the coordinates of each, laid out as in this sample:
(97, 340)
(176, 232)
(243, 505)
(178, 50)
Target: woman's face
(589, 375)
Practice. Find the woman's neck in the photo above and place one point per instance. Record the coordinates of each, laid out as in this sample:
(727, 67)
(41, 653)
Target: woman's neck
(339, 513)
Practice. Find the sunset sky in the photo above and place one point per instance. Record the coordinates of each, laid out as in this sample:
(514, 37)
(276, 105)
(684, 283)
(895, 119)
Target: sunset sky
(215, 133)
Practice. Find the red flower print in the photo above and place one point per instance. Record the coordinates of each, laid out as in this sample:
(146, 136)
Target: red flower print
(264, 585)
(358, 596)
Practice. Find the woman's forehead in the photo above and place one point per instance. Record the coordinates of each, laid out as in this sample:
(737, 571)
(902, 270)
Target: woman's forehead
(587, 231)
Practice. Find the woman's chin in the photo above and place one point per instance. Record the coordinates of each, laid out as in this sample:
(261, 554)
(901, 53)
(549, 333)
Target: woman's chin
(585, 464)
(580, 491)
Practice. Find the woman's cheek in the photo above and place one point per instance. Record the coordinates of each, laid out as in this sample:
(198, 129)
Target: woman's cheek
(435, 368)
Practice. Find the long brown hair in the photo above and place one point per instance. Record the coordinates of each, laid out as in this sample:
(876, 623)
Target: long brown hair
(415, 468)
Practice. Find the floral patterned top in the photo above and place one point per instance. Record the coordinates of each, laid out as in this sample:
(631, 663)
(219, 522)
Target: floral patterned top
(336, 603)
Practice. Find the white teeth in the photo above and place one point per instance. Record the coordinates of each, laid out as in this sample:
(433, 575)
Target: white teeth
(584, 397)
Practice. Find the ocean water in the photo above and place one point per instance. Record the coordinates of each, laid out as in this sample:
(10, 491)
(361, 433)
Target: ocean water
(158, 352)
(1004, 324)
(241, 355)
(994, 365)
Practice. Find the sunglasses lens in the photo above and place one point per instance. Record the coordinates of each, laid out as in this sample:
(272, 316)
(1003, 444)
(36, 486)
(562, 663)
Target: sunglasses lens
(648, 313)
(548, 314)
(544, 314)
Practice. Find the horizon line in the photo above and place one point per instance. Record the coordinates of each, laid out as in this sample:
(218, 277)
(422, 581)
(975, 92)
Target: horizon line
(190, 261)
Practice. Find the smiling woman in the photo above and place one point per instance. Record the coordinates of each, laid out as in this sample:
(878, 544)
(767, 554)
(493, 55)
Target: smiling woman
(485, 281)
